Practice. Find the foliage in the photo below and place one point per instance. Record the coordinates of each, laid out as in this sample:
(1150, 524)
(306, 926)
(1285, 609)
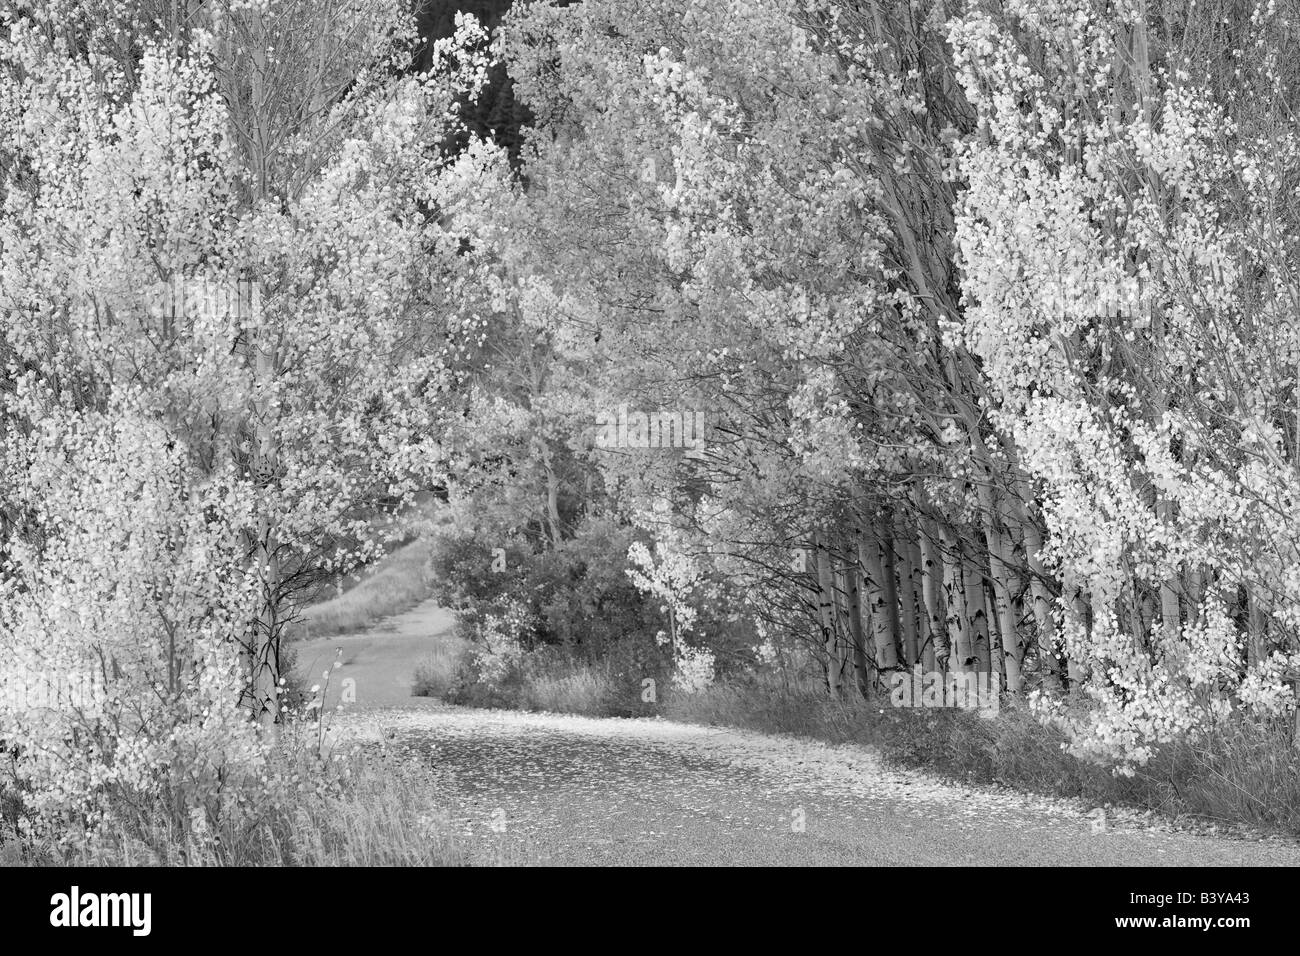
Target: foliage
(769, 334)
(989, 303)
(1127, 233)
(231, 317)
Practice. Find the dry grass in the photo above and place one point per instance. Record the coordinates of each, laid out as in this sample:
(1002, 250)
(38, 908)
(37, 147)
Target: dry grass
(359, 808)
(436, 674)
(777, 706)
(580, 690)
(545, 680)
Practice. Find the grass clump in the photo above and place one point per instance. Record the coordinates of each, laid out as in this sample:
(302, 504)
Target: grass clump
(355, 807)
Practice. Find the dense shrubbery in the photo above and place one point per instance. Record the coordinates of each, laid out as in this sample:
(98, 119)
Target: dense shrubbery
(567, 620)
(576, 594)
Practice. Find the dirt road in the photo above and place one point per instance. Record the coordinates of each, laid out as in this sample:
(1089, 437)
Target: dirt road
(380, 663)
(557, 789)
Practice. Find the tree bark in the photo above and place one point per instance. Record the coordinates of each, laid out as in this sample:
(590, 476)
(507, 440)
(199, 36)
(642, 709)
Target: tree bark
(910, 536)
(826, 614)
(262, 654)
(857, 631)
(902, 565)
(1049, 665)
(1000, 581)
(889, 570)
(884, 624)
(932, 589)
(959, 624)
(976, 612)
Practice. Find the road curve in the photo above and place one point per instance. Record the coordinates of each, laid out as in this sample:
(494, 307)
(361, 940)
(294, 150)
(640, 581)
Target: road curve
(564, 790)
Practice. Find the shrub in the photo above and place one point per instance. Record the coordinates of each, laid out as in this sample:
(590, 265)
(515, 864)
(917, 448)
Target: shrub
(436, 674)
(576, 594)
(554, 679)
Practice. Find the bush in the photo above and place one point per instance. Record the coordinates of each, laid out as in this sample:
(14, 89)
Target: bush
(553, 679)
(577, 597)
(577, 594)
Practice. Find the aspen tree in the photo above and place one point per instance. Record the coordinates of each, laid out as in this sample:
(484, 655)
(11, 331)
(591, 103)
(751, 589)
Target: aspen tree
(883, 617)
(827, 610)
(932, 586)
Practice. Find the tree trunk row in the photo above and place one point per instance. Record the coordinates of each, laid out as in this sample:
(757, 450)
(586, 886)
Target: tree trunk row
(898, 591)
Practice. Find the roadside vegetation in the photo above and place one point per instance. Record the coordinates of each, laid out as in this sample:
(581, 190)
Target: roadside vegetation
(297, 806)
(395, 583)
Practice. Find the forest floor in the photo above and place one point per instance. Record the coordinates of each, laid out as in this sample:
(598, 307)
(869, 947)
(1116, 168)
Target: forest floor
(528, 788)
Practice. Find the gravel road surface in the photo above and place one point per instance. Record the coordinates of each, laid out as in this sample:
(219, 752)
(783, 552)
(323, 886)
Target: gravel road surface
(564, 790)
